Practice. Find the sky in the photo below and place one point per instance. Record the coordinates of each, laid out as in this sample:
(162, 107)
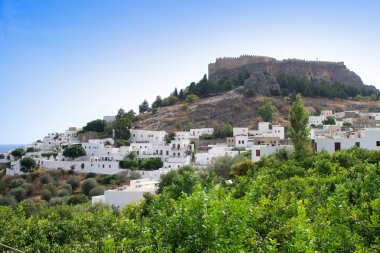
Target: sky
(64, 63)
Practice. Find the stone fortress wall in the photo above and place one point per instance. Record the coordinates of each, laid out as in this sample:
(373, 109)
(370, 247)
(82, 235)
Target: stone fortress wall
(329, 71)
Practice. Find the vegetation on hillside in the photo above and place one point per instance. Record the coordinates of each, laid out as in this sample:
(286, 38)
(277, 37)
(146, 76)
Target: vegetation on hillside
(321, 202)
(288, 84)
(300, 202)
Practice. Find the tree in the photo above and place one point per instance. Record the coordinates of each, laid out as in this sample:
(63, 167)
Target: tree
(27, 164)
(225, 131)
(18, 152)
(97, 125)
(144, 107)
(120, 113)
(87, 185)
(157, 103)
(175, 93)
(266, 110)
(329, 121)
(121, 127)
(181, 94)
(191, 98)
(74, 151)
(299, 132)
(73, 181)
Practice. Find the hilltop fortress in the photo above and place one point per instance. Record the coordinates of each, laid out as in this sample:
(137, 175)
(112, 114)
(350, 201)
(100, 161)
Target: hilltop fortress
(331, 72)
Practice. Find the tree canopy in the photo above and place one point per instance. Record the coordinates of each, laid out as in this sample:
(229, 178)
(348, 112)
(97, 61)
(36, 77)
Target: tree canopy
(74, 151)
(318, 203)
(27, 164)
(299, 131)
(267, 110)
(95, 125)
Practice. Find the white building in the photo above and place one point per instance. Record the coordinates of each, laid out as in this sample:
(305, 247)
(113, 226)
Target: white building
(240, 131)
(367, 138)
(142, 136)
(327, 113)
(241, 141)
(126, 194)
(183, 135)
(316, 120)
(266, 129)
(203, 159)
(5, 157)
(259, 151)
(195, 133)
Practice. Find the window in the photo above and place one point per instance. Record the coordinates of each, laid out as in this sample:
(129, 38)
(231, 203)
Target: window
(337, 146)
(257, 152)
(378, 143)
(357, 144)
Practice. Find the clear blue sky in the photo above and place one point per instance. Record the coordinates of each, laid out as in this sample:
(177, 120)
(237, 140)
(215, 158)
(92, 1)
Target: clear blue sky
(66, 62)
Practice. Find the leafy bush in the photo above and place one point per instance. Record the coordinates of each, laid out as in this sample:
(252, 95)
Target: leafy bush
(19, 193)
(68, 187)
(8, 201)
(88, 185)
(46, 195)
(77, 199)
(46, 178)
(91, 175)
(98, 190)
(16, 183)
(73, 181)
(63, 193)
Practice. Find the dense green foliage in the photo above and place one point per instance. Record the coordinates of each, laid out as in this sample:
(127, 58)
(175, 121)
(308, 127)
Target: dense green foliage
(145, 163)
(329, 121)
(299, 131)
(267, 110)
(223, 131)
(27, 164)
(18, 152)
(320, 89)
(96, 126)
(74, 151)
(322, 202)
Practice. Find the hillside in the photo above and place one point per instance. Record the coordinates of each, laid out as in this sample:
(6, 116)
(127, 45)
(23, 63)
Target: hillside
(234, 107)
(319, 203)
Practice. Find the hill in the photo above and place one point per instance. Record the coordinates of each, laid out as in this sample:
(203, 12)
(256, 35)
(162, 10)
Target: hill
(238, 109)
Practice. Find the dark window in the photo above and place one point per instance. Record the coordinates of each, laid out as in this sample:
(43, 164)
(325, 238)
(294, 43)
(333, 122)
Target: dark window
(378, 143)
(257, 152)
(357, 144)
(337, 146)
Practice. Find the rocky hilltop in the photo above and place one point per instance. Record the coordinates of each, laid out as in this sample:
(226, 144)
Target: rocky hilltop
(330, 72)
(238, 109)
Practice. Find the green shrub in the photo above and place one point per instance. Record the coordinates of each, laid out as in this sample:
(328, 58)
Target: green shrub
(88, 185)
(16, 183)
(46, 178)
(77, 199)
(73, 181)
(19, 193)
(46, 195)
(8, 201)
(91, 175)
(68, 187)
(98, 190)
(63, 193)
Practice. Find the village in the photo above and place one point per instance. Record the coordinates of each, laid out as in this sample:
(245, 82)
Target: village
(329, 132)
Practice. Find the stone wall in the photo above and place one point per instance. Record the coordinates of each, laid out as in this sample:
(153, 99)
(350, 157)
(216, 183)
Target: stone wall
(332, 72)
